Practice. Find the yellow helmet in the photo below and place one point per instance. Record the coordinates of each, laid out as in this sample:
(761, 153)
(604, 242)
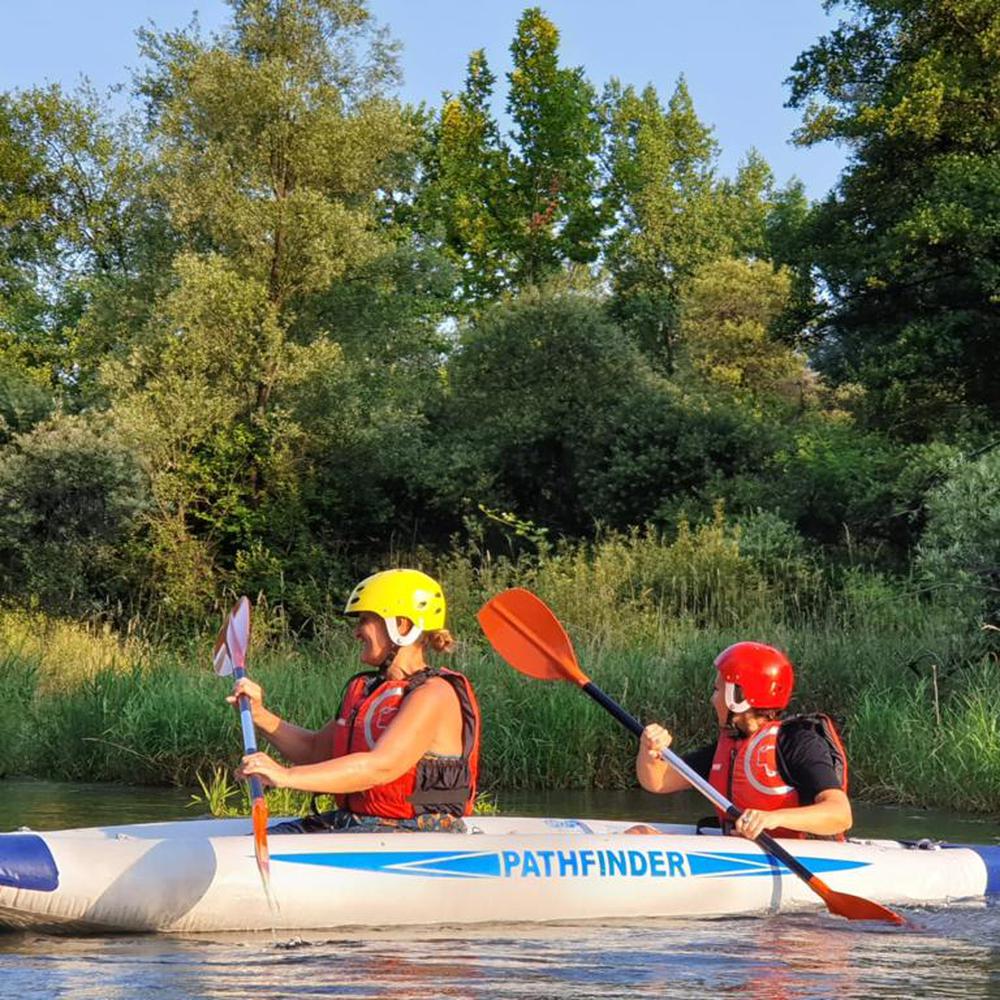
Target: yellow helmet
(404, 593)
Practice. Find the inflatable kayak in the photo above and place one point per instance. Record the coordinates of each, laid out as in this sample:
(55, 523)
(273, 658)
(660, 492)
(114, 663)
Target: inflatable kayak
(200, 875)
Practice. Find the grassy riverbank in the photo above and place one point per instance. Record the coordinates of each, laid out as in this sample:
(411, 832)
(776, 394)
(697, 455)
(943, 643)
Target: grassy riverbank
(912, 682)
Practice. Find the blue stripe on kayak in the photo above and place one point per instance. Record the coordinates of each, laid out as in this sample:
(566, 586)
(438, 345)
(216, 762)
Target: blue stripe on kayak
(717, 865)
(26, 863)
(604, 863)
(433, 864)
(991, 858)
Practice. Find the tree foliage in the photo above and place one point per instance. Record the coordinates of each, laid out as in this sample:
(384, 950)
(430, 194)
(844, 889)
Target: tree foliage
(961, 546)
(270, 326)
(729, 310)
(71, 496)
(675, 214)
(906, 247)
(515, 210)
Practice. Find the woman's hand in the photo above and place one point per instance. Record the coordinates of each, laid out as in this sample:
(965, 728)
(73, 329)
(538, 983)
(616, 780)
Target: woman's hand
(254, 694)
(654, 739)
(754, 822)
(261, 766)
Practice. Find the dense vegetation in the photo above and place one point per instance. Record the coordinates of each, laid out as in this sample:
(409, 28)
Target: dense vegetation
(916, 700)
(271, 329)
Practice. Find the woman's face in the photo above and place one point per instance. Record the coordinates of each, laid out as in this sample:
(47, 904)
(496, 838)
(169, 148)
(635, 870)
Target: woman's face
(371, 633)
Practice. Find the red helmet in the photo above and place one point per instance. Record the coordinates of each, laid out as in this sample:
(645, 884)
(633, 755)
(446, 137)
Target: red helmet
(764, 674)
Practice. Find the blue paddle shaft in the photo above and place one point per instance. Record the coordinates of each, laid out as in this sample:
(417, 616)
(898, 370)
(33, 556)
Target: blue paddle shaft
(249, 734)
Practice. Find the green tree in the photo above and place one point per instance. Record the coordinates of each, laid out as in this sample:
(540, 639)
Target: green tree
(80, 240)
(906, 247)
(515, 210)
(276, 149)
(465, 189)
(674, 214)
(556, 416)
(555, 217)
(526, 387)
(961, 544)
(728, 312)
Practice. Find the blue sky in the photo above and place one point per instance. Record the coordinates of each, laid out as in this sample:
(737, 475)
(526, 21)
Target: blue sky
(734, 54)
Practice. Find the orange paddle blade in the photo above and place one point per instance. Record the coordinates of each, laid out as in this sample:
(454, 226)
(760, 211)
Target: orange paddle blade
(853, 907)
(525, 632)
(259, 814)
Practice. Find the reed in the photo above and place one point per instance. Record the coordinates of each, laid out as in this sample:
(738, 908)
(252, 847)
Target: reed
(911, 678)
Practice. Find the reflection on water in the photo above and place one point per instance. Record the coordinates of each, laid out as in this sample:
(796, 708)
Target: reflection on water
(775, 958)
(50, 805)
(955, 952)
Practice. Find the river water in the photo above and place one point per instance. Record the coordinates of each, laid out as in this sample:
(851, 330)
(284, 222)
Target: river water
(955, 952)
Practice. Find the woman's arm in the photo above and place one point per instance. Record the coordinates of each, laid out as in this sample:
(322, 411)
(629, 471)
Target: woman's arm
(300, 745)
(411, 734)
(828, 816)
(653, 772)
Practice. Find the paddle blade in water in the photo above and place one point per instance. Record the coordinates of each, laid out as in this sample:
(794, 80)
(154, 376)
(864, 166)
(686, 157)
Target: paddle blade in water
(853, 907)
(525, 632)
(259, 814)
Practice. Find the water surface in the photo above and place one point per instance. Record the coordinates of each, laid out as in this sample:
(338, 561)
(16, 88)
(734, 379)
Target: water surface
(954, 953)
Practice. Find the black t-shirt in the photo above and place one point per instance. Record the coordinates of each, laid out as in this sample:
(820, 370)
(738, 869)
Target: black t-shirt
(805, 759)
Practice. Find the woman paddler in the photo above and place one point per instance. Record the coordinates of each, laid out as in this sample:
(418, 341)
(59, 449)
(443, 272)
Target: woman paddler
(402, 752)
(787, 775)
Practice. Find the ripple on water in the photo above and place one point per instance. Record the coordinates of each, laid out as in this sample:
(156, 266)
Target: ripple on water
(954, 953)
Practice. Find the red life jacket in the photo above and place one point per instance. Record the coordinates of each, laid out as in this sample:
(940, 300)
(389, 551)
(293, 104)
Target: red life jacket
(745, 768)
(435, 784)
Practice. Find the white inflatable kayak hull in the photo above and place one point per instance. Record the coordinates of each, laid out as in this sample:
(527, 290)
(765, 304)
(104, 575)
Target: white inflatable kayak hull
(197, 876)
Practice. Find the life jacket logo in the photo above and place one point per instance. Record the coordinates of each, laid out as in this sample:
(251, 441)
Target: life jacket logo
(384, 716)
(764, 759)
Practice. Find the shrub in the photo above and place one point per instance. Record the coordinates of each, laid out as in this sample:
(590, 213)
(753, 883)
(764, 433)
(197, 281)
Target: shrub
(70, 497)
(961, 545)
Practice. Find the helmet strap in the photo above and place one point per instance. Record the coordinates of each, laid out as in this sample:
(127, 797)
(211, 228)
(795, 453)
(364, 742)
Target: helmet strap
(398, 638)
(732, 704)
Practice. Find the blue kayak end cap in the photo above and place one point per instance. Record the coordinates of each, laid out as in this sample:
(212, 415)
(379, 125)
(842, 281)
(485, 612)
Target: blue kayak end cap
(991, 859)
(26, 863)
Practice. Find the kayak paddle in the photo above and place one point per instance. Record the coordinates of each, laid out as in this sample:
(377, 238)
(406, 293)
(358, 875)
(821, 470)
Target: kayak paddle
(229, 657)
(526, 633)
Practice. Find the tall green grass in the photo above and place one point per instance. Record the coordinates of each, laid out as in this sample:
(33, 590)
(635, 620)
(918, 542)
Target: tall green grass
(912, 681)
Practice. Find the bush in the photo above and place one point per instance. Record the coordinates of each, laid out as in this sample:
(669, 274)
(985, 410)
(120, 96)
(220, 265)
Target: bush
(659, 452)
(529, 383)
(961, 545)
(555, 415)
(23, 403)
(70, 498)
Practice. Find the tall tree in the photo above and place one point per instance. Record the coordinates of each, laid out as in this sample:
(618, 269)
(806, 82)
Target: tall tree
(465, 189)
(277, 145)
(674, 215)
(515, 210)
(907, 246)
(729, 309)
(553, 109)
(77, 233)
